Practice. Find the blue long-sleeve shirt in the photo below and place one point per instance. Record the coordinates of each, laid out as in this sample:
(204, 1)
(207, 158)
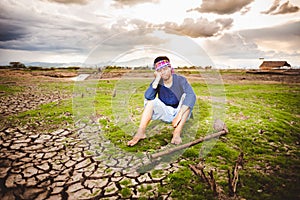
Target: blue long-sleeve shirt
(171, 96)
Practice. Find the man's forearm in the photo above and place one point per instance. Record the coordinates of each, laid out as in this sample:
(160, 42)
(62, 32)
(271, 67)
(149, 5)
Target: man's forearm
(155, 82)
(183, 109)
(179, 115)
(157, 79)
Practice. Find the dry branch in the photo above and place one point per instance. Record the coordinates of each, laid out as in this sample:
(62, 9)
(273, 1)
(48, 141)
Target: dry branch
(232, 181)
(189, 144)
(210, 180)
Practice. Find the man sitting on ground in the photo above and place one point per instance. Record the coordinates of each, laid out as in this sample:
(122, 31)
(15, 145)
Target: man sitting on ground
(169, 98)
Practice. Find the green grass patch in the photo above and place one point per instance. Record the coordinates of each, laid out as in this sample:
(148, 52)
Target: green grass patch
(185, 185)
(8, 89)
(263, 122)
(46, 117)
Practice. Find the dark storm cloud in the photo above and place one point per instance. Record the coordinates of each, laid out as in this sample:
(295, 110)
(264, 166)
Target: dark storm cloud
(54, 37)
(65, 35)
(223, 7)
(285, 8)
(122, 3)
(33, 30)
(46, 35)
(11, 32)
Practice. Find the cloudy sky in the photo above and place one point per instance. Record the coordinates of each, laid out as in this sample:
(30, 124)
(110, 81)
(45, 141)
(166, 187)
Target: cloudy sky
(231, 33)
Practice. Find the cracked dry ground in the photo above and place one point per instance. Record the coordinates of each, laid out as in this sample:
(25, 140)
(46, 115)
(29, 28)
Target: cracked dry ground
(59, 164)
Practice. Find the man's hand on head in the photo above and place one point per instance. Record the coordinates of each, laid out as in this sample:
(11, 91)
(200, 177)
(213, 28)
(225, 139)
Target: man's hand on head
(157, 75)
(157, 79)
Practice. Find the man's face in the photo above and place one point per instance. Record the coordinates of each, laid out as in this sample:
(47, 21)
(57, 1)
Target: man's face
(165, 72)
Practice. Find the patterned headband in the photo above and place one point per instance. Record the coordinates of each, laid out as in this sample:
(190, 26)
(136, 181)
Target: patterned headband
(161, 64)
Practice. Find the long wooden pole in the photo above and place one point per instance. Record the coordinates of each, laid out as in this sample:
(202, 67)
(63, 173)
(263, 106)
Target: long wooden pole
(189, 144)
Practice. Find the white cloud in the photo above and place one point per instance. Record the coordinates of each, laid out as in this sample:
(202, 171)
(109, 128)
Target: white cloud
(223, 7)
(284, 8)
(232, 45)
(273, 43)
(200, 27)
(272, 8)
(123, 3)
(58, 28)
(82, 2)
(284, 37)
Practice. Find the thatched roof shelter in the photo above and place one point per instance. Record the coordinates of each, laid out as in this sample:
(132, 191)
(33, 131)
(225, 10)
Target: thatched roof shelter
(268, 65)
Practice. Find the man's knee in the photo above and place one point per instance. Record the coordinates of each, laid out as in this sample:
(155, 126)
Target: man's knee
(148, 102)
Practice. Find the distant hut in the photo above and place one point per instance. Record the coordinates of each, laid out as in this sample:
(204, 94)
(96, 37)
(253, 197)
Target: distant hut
(268, 65)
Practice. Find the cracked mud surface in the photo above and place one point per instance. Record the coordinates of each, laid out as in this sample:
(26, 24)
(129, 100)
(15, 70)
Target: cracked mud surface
(58, 165)
(67, 163)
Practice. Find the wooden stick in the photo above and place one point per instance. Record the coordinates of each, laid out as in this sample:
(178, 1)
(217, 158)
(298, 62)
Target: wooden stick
(211, 182)
(232, 181)
(189, 144)
(199, 172)
(238, 165)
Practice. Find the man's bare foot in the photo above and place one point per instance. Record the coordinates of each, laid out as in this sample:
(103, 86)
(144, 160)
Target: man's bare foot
(136, 139)
(176, 139)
